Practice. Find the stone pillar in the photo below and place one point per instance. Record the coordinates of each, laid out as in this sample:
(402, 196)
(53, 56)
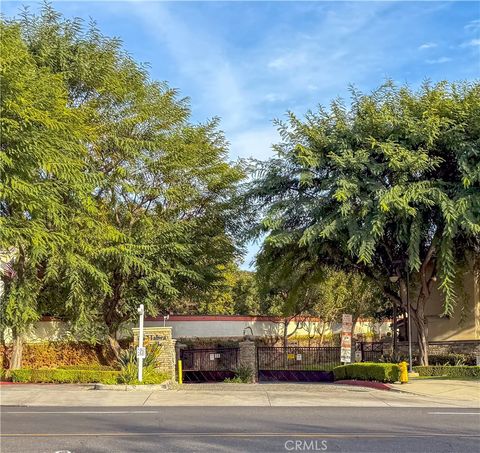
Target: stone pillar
(163, 337)
(248, 357)
(387, 346)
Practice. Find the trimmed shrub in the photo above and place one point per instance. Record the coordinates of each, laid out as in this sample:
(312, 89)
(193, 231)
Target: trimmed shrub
(449, 371)
(59, 354)
(60, 376)
(382, 372)
(452, 359)
(88, 367)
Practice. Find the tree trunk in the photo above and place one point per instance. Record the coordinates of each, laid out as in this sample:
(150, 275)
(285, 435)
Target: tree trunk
(422, 334)
(17, 350)
(322, 333)
(114, 344)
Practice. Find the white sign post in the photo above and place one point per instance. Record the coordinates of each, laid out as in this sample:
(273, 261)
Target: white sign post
(140, 349)
(346, 345)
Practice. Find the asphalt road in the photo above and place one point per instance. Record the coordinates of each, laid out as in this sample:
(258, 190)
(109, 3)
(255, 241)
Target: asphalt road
(239, 429)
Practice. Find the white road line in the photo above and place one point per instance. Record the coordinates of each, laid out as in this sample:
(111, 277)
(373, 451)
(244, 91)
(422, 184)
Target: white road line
(80, 412)
(244, 434)
(454, 413)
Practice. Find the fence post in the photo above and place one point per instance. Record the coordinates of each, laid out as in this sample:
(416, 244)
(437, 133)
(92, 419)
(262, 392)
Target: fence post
(248, 357)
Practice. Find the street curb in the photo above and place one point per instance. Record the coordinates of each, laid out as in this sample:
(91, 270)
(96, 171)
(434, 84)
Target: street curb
(368, 384)
(167, 385)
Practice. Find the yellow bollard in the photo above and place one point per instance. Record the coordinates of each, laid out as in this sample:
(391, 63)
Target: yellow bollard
(403, 372)
(180, 372)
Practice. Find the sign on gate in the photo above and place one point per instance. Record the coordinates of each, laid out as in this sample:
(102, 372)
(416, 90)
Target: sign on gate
(346, 345)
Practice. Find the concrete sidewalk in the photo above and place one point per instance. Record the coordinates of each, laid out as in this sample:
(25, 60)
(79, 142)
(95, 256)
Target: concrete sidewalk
(442, 388)
(438, 394)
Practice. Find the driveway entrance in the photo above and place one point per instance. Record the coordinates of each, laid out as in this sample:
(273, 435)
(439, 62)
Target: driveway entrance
(297, 364)
(209, 365)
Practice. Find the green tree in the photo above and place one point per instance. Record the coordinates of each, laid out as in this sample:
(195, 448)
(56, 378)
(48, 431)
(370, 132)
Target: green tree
(388, 184)
(342, 292)
(245, 294)
(287, 284)
(44, 183)
(293, 286)
(164, 187)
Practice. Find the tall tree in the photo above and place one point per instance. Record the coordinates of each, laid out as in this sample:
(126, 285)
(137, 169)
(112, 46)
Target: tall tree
(162, 186)
(388, 184)
(44, 183)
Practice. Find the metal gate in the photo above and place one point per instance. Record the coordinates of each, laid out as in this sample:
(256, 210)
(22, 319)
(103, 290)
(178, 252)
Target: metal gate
(208, 365)
(297, 364)
(371, 351)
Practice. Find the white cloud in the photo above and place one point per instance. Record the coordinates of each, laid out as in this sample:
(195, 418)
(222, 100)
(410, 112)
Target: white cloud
(427, 45)
(440, 60)
(275, 97)
(471, 43)
(256, 143)
(278, 63)
(473, 25)
(202, 60)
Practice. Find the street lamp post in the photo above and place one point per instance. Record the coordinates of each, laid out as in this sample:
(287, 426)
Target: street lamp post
(410, 364)
(395, 279)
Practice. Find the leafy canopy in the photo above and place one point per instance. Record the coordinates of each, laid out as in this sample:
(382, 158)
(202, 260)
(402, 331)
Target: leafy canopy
(391, 179)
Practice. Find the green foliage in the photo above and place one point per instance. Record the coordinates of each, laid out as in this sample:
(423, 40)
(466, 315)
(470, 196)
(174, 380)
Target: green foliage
(110, 197)
(44, 184)
(453, 359)
(381, 372)
(58, 354)
(449, 371)
(391, 180)
(129, 375)
(291, 284)
(394, 357)
(61, 376)
(244, 373)
(87, 367)
(235, 293)
(129, 367)
(129, 356)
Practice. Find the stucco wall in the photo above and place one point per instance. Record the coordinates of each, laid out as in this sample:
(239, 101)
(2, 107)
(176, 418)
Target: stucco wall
(207, 327)
(463, 325)
(48, 330)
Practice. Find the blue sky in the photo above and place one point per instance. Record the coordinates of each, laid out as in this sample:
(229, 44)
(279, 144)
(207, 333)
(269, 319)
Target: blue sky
(250, 62)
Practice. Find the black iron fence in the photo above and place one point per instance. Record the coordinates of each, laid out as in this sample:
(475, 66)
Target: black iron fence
(371, 351)
(298, 358)
(209, 359)
(203, 365)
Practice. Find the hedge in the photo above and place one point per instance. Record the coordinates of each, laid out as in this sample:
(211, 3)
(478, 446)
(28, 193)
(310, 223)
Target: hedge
(60, 376)
(452, 359)
(93, 367)
(81, 376)
(449, 371)
(382, 372)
